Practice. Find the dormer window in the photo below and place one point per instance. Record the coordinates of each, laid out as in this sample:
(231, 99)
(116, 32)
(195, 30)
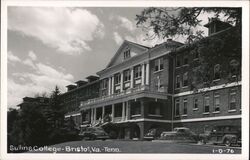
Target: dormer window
(126, 54)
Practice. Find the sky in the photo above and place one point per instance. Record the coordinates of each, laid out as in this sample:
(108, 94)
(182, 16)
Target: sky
(49, 46)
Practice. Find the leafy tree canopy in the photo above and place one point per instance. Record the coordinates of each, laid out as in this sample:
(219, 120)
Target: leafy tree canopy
(169, 22)
(223, 49)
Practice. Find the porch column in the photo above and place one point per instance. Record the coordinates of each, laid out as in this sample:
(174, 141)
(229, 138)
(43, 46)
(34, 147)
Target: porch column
(147, 73)
(113, 113)
(128, 111)
(103, 112)
(92, 115)
(110, 83)
(132, 78)
(142, 103)
(123, 111)
(143, 74)
(89, 115)
(121, 85)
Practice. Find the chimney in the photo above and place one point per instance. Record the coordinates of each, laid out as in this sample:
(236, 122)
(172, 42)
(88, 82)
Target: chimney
(92, 78)
(71, 87)
(80, 83)
(214, 25)
(169, 40)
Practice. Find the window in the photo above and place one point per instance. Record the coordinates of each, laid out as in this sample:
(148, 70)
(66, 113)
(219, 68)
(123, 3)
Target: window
(178, 61)
(104, 84)
(135, 108)
(177, 107)
(158, 64)
(178, 81)
(234, 66)
(185, 79)
(185, 106)
(118, 78)
(155, 108)
(126, 53)
(206, 104)
(232, 99)
(158, 84)
(126, 75)
(185, 60)
(137, 71)
(196, 55)
(196, 104)
(118, 110)
(217, 71)
(216, 102)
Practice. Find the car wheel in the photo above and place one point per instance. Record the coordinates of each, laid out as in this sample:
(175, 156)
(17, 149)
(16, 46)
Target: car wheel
(227, 142)
(85, 138)
(93, 137)
(203, 141)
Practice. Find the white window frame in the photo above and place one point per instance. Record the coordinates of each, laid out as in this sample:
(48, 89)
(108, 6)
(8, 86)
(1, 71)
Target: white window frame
(128, 75)
(232, 93)
(177, 101)
(158, 62)
(196, 108)
(126, 54)
(185, 102)
(137, 70)
(103, 86)
(177, 81)
(119, 79)
(216, 96)
(204, 107)
(183, 80)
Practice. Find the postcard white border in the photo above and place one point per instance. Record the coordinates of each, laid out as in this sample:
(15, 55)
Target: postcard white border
(245, 79)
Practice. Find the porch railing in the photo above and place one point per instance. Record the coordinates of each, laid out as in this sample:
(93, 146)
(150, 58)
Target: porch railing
(125, 92)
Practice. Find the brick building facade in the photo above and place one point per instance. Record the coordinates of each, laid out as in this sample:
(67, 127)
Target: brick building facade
(143, 88)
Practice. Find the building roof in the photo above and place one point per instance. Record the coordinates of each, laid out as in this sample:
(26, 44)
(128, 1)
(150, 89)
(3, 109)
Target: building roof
(80, 87)
(92, 77)
(137, 44)
(124, 44)
(71, 86)
(218, 21)
(80, 82)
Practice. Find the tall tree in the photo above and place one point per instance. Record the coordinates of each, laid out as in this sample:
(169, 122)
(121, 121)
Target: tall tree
(29, 126)
(56, 109)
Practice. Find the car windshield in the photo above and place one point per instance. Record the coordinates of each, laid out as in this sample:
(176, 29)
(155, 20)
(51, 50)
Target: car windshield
(181, 130)
(152, 131)
(98, 129)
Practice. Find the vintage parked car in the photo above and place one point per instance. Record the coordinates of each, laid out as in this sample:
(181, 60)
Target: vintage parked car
(223, 134)
(93, 133)
(153, 133)
(182, 134)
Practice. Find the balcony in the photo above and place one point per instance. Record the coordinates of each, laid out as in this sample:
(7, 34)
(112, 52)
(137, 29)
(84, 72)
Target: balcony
(130, 91)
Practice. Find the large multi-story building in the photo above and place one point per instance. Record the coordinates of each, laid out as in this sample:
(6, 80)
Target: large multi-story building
(143, 88)
(82, 91)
